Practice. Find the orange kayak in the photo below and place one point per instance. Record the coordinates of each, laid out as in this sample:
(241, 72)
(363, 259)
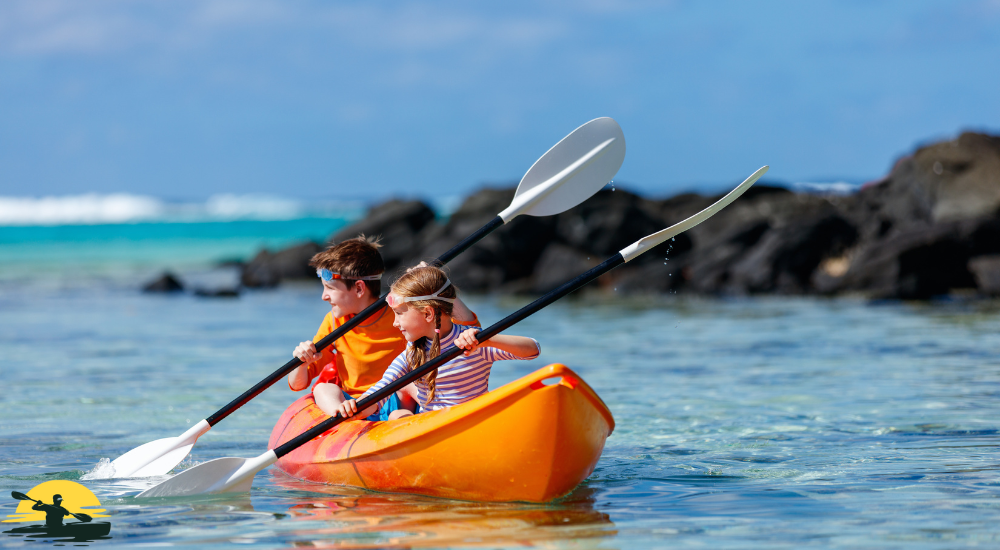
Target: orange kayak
(532, 440)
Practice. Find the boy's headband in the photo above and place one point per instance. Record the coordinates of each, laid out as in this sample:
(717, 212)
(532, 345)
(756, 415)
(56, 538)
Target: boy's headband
(327, 275)
(395, 300)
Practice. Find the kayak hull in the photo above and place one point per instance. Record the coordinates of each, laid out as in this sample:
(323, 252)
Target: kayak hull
(532, 440)
(78, 530)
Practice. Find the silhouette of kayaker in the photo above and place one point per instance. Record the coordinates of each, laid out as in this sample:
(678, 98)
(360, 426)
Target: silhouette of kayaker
(84, 530)
(54, 513)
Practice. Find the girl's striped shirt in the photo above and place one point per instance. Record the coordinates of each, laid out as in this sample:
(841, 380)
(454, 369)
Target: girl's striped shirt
(458, 380)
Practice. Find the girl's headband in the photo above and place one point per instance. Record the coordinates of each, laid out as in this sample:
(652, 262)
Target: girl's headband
(327, 275)
(395, 300)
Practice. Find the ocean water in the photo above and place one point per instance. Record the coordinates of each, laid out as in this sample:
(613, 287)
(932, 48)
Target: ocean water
(741, 423)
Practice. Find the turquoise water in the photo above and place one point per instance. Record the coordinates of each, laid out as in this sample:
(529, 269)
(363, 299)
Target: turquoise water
(111, 247)
(770, 423)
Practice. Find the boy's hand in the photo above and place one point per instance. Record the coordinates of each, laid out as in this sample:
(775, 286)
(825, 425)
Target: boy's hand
(306, 352)
(348, 408)
(467, 341)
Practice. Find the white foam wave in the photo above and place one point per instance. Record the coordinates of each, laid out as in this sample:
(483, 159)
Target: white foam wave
(826, 188)
(92, 208)
(253, 207)
(78, 209)
(103, 470)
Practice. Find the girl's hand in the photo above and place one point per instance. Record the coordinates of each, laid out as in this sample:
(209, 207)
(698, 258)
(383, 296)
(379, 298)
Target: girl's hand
(348, 408)
(467, 341)
(306, 352)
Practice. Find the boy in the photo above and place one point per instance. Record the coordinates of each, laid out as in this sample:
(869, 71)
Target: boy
(351, 273)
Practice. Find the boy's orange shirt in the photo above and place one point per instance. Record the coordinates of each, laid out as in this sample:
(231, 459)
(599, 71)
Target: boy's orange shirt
(363, 354)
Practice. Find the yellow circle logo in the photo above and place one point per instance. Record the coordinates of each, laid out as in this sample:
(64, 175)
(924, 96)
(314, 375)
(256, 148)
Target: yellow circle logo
(75, 498)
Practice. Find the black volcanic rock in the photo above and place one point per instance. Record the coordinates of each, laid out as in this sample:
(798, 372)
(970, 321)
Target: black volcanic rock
(986, 270)
(398, 224)
(603, 225)
(167, 282)
(558, 264)
(951, 180)
(233, 292)
(947, 181)
(921, 225)
(920, 262)
(506, 256)
(267, 269)
(769, 242)
(784, 258)
(607, 222)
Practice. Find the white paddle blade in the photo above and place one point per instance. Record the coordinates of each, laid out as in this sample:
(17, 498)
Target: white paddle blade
(222, 475)
(157, 458)
(642, 245)
(571, 171)
(163, 465)
(131, 462)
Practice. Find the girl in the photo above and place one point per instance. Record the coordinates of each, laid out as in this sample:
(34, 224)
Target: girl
(422, 301)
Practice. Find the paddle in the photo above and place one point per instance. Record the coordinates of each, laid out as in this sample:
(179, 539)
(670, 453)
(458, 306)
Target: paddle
(236, 474)
(567, 174)
(22, 496)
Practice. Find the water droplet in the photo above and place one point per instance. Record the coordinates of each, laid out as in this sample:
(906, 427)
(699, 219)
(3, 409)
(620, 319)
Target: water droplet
(673, 238)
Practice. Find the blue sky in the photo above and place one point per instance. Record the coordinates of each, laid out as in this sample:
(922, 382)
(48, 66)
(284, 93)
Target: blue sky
(183, 100)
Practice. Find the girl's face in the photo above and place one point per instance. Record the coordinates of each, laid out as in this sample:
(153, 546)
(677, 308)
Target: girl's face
(414, 323)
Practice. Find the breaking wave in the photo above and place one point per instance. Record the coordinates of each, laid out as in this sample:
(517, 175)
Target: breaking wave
(825, 188)
(94, 209)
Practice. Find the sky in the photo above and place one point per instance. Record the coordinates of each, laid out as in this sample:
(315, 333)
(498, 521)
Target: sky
(184, 100)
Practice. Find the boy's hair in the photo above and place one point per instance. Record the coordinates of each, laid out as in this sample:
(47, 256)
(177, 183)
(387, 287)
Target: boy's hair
(424, 281)
(358, 257)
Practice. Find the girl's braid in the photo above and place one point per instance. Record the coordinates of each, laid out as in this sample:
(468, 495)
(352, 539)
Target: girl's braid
(431, 377)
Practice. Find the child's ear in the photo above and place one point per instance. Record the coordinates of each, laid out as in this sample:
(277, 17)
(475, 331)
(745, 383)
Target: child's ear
(429, 314)
(359, 288)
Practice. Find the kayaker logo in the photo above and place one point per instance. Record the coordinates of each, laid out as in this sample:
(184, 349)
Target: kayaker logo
(60, 512)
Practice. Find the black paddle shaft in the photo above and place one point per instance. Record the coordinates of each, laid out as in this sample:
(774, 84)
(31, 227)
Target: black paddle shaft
(369, 311)
(453, 352)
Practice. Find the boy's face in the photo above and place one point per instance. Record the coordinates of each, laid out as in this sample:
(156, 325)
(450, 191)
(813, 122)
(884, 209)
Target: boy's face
(345, 300)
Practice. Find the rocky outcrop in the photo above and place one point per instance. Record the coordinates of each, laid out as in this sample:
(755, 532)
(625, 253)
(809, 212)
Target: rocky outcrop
(219, 282)
(986, 271)
(928, 228)
(919, 262)
(922, 226)
(267, 268)
(398, 223)
(167, 282)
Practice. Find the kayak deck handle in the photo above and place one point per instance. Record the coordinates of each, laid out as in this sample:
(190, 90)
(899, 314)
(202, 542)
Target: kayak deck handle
(562, 380)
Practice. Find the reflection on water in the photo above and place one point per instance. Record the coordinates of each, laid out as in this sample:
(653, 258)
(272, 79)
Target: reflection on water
(367, 520)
